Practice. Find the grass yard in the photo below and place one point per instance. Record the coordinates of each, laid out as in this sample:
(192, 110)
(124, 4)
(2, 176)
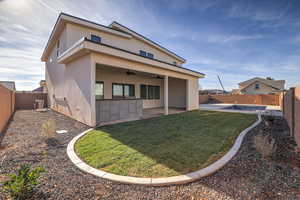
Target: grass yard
(163, 146)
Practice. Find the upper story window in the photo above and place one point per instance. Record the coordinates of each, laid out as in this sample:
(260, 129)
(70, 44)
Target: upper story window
(174, 63)
(96, 38)
(150, 55)
(257, 86)
(143, 53)
(146, 54)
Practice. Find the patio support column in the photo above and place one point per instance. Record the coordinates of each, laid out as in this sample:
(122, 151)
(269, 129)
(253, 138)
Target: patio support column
(166, 94)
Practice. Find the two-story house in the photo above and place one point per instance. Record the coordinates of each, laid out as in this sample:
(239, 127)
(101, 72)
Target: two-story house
(260, 86)
(97, 74)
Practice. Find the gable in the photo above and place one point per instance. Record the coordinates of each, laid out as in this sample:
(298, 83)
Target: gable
(262, 87)
(120, 27)
(276, 84)
(115, 35)
(75, 32)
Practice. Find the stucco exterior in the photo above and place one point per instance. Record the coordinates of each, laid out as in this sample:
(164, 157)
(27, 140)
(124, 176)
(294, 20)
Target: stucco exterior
(263, 89)
(70, 89)
(74, 63)
(260, 86)
(109, 75)
(76, 32)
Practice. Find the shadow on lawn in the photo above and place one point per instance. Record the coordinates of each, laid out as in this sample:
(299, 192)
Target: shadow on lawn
(179, 143)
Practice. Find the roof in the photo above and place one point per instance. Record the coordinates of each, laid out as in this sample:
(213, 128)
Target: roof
(9, 85)
(39, 89)
(86, 45)
(121, 31)
(276, 84)
(126, 29)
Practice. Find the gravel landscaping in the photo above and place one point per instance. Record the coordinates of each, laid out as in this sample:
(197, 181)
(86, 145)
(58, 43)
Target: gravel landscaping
(247, 176)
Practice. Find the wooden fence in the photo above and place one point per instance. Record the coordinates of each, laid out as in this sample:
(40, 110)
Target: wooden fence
(27, 100)
(263, 99)
(291, 111)
(7, 106)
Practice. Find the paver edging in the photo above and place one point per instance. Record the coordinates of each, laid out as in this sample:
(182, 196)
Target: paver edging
(190, 177)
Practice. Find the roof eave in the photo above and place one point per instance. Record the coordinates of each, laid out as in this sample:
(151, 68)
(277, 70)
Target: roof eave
(82, 47)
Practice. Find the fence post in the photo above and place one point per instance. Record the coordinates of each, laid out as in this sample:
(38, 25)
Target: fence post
(11, 101)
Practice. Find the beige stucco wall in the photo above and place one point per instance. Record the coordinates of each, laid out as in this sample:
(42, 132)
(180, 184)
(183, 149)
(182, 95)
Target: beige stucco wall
(177, 92)
(76, 32)
(264, 89)
(192, 90)
(111, 75)
(71, 85)
(63, 45)
(129, 63)
(75, 83)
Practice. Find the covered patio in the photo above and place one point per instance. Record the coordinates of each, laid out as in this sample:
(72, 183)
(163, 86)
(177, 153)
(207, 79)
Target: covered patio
(124, 95)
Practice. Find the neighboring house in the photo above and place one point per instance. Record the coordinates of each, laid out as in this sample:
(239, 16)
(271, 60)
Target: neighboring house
(9, 85)
(42, 88)
(212, 91)
(260, 86)
(97, 73)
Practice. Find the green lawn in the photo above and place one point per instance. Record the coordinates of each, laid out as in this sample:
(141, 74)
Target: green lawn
(163, 146)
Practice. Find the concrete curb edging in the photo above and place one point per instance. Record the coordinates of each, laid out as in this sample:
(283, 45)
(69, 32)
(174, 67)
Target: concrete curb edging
(190, 177)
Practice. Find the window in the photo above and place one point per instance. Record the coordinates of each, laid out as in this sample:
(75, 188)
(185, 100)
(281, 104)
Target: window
(144, 91)
(174, 63)
(256, 86)
(150, 55)
(146, 54)
(121, 91)
(96, 38)
(150, 92)
(157, 92)
(99, 90)
(143, 53)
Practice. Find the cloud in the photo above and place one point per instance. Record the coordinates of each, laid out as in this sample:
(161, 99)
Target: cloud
(292, 40)
(231, 38)
(227, 38)
(196, 5)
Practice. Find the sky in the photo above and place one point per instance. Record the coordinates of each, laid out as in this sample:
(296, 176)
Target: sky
(235, 39)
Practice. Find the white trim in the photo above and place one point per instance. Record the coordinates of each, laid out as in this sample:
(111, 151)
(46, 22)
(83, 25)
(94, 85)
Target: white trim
(159, 181)
(71, 48)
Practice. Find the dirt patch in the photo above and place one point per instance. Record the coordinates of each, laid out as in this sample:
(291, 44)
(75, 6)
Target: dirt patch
(247, 176)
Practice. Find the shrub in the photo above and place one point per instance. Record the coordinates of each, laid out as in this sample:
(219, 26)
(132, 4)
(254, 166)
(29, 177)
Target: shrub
(264, 145)
(21, 184)
(48, 129)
